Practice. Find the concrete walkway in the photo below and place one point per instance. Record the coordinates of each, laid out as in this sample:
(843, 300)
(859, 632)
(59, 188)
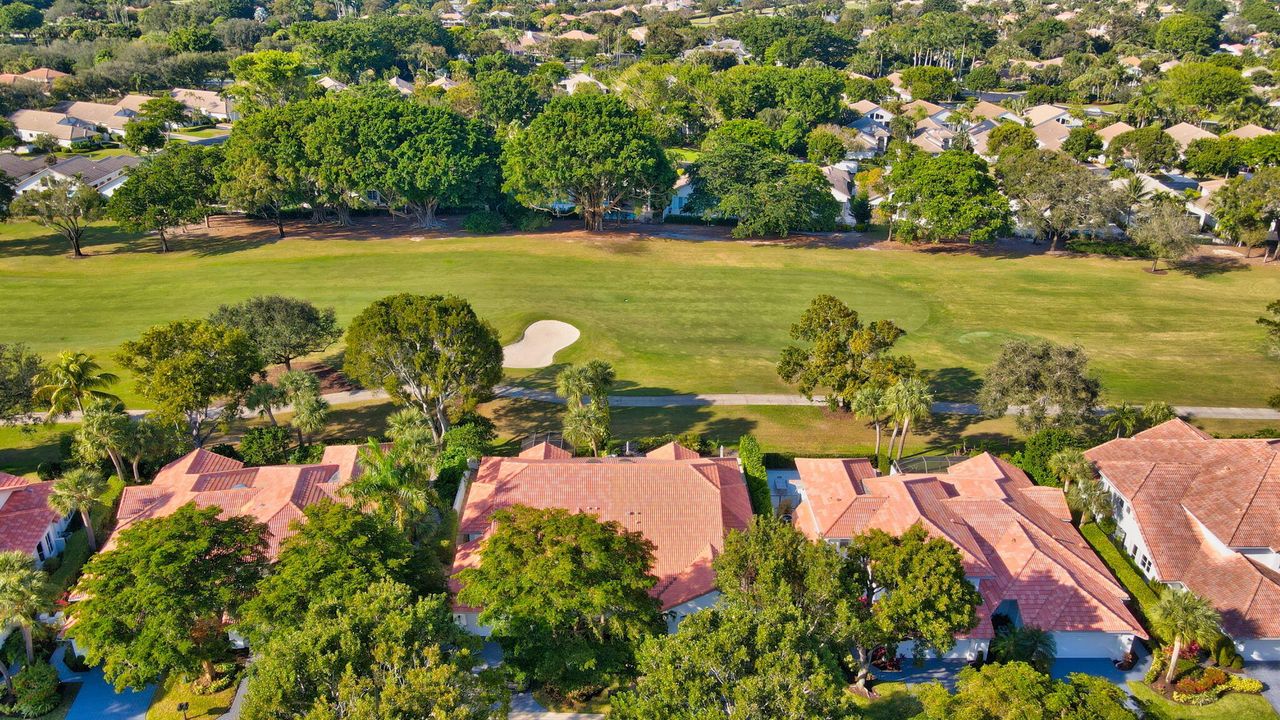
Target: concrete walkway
(524, 707)
(233, 713)
(98, 699)
(349, 397)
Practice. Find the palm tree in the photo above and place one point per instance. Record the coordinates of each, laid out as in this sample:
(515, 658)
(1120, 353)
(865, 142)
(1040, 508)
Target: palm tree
(310, 411)
(77, 491)
(263, 398)
(24, 594)
(590, 381)
(587, 425)
(394, 486)
(1070, 466)
(1158, 412)
(1027, 644)
(415, 440)
(1122, 418)
(70, 380)
(1185, 617)
(907, 400)
(1093, 501)
(104, 432)
(868, 404)
(1134, 194)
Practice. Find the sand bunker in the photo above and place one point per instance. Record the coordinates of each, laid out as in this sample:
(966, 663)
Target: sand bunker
(541, 341)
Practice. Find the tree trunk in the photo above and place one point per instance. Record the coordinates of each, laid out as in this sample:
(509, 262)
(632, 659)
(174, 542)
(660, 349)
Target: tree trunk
(206, 222)
(279, 224)
(877, 424)
(1154, 263)
(893, 438)
(74, 237)
(317, 214)
(1053, 242)
(863, 673)
(117, 461)
(302, 439)
(207, 671)
(88, 529)
(137, 476)
(343, 212)
(424, 213)
(26, 640)
(902, 442)
(8, 679)
(1173, 660)
(164, 242)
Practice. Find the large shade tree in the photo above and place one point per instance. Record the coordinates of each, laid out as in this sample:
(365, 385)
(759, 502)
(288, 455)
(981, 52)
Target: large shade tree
(283, 328)
(592, 152)
(158, 602)
(373, 652)
(948, 196)
(1049, 384)
(174, 188)
(20, 370)
(1017, 691)
(429, 352)
(66, 205)
(194, 371)
(566, 595)
(841, 354)
(1056, 195)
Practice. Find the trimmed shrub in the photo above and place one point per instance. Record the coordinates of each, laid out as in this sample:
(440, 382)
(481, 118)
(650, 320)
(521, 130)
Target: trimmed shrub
(1158, 665)
(532, 221)
(1242, 684)
(483, 222)
(1113, 248)
(35, 691)
(1035, 454)
(1204, 698)
(754, 473)
(1195, 683)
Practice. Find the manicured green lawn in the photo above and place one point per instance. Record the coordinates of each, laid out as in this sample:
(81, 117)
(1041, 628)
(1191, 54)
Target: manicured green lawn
(895, 703)
(173, 691)
(1231, 707)
(23, 448)
(205, 132)
(676, 316)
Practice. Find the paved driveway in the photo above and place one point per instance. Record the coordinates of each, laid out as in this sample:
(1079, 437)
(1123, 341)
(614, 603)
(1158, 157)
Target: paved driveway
(97, 699)
(1269, 674)
(945, 671)
(524, 707)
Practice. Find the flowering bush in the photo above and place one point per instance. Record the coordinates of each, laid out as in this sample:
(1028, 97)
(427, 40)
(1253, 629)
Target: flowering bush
(1205, 680)
(1242, 684)
(1190, 651)
(1204, 698)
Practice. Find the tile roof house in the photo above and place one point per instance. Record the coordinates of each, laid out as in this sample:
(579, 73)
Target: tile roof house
(207, 102)
(577, 80)
(1248, 132)
(1203, 513)
(26, 522)
(103, 175)
(1183, 133)
(1015, 539)
(29, 125)
(1110, 132)
(684, 504)
(274, 495)
(111, 117)
(1046, 113)
(1051, 134)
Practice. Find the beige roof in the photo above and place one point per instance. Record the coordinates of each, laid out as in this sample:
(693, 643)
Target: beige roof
(108, 116)
(43, 74)
(1248, 132)
(1051, 134)
(1110, 132)
(58, 125)
(1184, 133)
(205, 101)
(928, 107)
(988, 110)
(865, 106)
(1043, 113)
(577, 35)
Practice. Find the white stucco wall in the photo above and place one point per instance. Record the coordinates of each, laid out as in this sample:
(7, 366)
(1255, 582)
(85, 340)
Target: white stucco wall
(471, 623)
(1093, 644)
(1127, 527)
(965, 649)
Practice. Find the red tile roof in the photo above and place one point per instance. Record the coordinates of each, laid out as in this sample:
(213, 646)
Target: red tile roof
(1194, 497)
(273, 495)
(1014, 537)
(25, 516)
(684, 504)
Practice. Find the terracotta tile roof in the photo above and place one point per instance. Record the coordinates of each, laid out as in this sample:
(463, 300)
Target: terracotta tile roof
(274, 495)
(684, 504)
(1194, 498)
(1014, 537)
(24, 513)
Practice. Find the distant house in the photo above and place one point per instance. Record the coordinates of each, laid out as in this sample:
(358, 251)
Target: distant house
(874, 111)
(1248, 132)
(1185, 133)
(444, 83)
(1051, 134)
(995, 113)
(1015, 539)
(578, 80)
(1041, 114)
(404, 87)
(41, 77)
(206, 102)
(29, 125)
(1201, 513)
(684, 504)
(26, 522)
(578, 36)
(103, 175)
(329, 84)
(1110, 132)
(111, 117)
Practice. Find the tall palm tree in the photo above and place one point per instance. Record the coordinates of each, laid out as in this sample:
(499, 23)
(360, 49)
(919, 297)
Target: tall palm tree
(78, 491)
(589, 381)
(1093, 501)
(415, 440)
(1185, 617)
(71, 380)
(587, 425)
(310, 410)
(1122, 418)
(868, 404)
(1155, 413)
(104, 432)
(907, 400)
(1134, 194)
(1027, 644)
(24, 594)
(1070, 465)
(394, 487)
(263, 398)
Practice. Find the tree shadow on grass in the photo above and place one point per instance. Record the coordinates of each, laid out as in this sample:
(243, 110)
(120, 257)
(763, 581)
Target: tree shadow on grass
(954, 384)
(893, 707)
(1203, 267)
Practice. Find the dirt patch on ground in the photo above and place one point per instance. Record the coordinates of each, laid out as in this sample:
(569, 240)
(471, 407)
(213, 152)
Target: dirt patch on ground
(331, 379)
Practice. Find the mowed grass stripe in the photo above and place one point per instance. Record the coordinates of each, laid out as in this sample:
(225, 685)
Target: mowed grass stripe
(680, 316)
